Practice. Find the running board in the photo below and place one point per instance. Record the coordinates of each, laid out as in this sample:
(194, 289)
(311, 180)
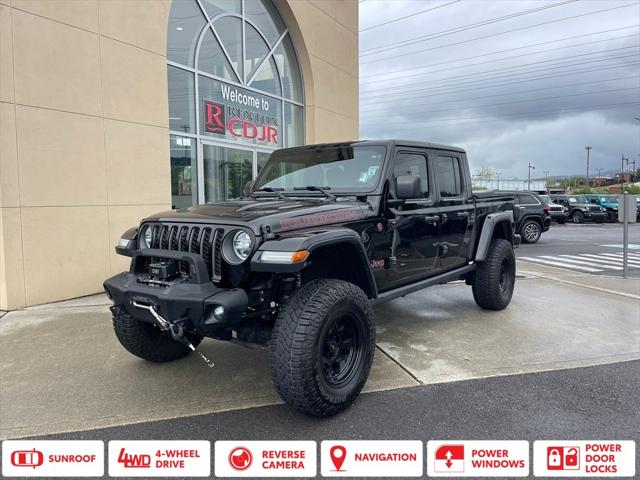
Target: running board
(428, 282)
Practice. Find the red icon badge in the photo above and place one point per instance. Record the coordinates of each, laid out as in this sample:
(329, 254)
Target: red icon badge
(27, 458)
(338, 454)
(563, 458)
(449, 458)
(240, 458)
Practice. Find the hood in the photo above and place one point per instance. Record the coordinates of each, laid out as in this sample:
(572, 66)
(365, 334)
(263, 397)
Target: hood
(278, 214)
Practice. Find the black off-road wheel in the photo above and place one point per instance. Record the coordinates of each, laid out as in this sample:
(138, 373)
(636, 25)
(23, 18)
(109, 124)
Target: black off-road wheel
(146, 341)
(495, 278)
(322, 347)
(530, 231)
(577, 216)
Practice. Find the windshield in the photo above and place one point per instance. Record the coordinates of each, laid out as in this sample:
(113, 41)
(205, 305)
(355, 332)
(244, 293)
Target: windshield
(342, 169)
(608, 199)
(577, 199)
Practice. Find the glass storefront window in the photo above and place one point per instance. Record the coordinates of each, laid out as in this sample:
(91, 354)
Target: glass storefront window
(238, 101)
(212, 59)
(293, 121)
(183, 171)
(226, 171)
(186, 21)
(181, 110)
(264, 15)
(217, 7)
(229, 30)
(289, 69)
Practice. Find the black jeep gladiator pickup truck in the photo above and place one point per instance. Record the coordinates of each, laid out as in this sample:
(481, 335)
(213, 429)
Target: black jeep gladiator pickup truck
(324, 233)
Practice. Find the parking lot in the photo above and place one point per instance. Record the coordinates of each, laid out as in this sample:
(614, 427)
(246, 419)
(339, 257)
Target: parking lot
(587, 248)
(63, 371)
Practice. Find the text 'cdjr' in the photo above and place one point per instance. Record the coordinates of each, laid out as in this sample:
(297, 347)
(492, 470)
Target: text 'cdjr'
(323, 234)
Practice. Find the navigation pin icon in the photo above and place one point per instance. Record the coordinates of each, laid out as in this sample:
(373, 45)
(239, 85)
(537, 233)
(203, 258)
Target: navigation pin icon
(338, 453)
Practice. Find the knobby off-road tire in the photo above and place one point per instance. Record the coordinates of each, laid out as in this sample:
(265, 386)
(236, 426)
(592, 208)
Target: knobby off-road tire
(577, 216)
(530, 231)
(495, 278)
(322, 347)
(146, 341)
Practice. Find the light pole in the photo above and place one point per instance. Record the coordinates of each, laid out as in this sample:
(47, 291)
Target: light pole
(588, 149)
(531, 167)
(622, 174)
(498, 175)
(599, 175)
(546, 180)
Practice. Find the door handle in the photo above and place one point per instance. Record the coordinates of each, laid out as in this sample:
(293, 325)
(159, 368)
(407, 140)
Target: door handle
(463, 214)
(431, 218)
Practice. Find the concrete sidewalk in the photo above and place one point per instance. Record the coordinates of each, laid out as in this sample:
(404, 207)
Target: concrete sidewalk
(61, 368)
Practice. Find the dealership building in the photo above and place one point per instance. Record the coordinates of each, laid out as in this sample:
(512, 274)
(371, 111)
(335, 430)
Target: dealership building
(111, 110)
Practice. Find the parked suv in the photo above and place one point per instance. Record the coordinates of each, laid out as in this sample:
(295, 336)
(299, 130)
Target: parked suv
(608, 202)
(532, 216)
(580, 209)
(558, 213)
(323, 234)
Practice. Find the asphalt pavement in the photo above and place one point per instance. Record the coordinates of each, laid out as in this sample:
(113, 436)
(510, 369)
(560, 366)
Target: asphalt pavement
(589, 248)
(598, 402)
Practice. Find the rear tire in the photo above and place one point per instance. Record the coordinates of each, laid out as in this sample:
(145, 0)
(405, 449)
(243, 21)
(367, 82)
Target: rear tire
(146, 341)
(611, 217)
(530, 231)
(495, 278)
(322, 347)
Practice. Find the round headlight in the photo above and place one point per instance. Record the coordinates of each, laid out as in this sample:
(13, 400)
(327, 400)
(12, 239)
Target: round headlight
(237, 247)
(145, 238)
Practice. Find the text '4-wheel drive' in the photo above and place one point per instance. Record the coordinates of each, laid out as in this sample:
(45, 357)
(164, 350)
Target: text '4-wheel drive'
(322, 235)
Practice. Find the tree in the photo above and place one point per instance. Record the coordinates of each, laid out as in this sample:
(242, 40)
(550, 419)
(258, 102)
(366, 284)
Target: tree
(485, 173)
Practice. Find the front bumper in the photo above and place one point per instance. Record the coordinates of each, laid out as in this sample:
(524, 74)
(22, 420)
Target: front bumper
(546, 223)
(191, 300)
(595, 215)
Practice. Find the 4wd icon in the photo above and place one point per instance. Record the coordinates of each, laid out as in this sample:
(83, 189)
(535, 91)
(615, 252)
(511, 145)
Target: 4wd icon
(449, 458)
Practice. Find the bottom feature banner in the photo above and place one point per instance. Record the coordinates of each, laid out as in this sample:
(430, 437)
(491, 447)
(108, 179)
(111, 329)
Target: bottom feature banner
(584, 458)
(159, 458)
(371, 458)
(265, 459)
(478, 458)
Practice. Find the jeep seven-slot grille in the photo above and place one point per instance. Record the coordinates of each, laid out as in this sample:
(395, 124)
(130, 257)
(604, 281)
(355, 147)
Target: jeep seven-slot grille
(199, 239)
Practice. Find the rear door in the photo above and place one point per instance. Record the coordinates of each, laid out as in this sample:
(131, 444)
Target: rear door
(414, 251)
(454, 210)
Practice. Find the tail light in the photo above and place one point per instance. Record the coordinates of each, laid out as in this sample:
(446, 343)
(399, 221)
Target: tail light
(547, 208)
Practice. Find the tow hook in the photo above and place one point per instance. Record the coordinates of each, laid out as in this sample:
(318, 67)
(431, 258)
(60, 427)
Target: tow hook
(175, 329)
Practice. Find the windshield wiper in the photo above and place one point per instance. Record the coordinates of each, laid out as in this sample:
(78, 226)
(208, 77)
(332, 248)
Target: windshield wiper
(314, 188)
(276, 190)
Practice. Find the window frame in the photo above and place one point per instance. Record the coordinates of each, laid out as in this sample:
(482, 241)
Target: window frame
(428, 200)
(457, 159)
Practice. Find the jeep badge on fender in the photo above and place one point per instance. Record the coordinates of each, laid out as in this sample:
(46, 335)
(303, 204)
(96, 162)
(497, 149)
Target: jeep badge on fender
(323, 234)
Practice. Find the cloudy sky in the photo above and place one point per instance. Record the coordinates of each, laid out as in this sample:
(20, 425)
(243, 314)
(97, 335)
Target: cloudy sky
(511, 81)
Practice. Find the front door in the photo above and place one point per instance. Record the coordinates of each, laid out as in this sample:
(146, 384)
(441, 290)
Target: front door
(227, 169)
(414, 247)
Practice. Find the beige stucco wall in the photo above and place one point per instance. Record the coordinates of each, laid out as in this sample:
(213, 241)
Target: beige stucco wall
(84, 150)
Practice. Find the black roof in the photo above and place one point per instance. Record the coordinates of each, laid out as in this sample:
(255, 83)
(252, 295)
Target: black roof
(389, 143)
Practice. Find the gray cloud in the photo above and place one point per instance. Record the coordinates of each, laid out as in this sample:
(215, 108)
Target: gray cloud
(534, 100)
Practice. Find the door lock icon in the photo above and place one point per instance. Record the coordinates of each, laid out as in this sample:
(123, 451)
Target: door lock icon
(563, 458)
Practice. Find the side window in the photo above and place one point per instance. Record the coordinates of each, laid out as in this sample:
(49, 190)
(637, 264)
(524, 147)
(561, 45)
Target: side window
(413, 164)
(524, 199)
(448, 176)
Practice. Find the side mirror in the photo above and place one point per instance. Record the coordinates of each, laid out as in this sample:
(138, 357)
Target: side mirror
(247, 187)
(408, 186)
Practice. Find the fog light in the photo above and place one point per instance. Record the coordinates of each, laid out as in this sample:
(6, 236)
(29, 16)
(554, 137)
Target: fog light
(218, 311)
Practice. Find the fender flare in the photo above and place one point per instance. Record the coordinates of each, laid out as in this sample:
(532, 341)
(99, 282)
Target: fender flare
(313, 241)
(488, 227)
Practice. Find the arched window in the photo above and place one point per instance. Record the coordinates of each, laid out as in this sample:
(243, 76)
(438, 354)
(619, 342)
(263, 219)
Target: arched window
(235, 95)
